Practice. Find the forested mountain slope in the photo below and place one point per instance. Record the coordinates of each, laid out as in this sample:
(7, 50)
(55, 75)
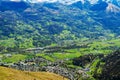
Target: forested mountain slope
(24, 25)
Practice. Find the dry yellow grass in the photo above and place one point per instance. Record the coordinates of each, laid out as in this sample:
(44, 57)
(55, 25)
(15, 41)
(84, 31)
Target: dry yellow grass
(11, 74)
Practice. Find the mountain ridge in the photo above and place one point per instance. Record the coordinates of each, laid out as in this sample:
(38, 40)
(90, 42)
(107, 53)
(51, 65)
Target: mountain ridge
(69, 2)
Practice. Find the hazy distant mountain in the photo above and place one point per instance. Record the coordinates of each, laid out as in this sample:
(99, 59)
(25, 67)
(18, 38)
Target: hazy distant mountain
(116, 2)
(109, 7)
(112, 8)
(17, 6)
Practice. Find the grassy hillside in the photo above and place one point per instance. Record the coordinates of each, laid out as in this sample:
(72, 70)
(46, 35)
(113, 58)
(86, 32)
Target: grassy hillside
(11, 74)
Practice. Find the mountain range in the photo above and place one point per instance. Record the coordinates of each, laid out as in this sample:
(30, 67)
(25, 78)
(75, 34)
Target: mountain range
(117, 2)
(110, 4)
(47, 23)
